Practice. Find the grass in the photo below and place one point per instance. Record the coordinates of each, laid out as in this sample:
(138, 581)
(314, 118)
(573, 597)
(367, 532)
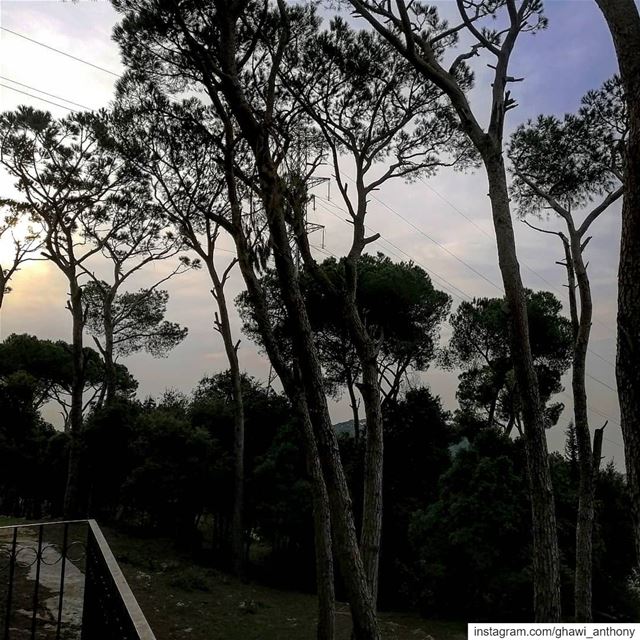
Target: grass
(185, 601)
(6, 521)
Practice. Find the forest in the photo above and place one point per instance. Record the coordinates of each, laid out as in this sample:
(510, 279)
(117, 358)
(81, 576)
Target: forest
(212, 153)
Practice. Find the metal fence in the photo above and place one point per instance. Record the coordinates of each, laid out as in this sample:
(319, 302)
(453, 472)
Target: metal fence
(60, 581)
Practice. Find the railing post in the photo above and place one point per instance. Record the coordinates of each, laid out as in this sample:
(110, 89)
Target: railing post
(63, 566)
(34, 616)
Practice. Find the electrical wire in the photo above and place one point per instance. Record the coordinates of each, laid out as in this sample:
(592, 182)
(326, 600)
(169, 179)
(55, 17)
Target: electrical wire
(64, 53)
(449, 286)
(6, 86)
(51, 95)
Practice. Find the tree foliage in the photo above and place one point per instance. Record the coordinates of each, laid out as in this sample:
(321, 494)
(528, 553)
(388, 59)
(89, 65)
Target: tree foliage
(138, 320)
(573, 160)
(479, 347)
(397, 300)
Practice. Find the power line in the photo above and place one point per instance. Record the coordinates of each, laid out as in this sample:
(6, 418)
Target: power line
(422, 179)
(414, 226)
(488, 235)
(597, 355)
(439, 244)
(444, 280)
(468, 296)
(6, 86)
(604, 384)
(464, 294)
(596, 411)
(448, 286)
(64, 53)
(453, 206)
(51, 95)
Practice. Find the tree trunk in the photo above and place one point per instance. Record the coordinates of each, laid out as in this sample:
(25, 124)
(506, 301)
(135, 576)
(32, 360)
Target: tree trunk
(371, 531)
(223, 325)
(586, 490)
(325, 462)
(342, 523)
(72, 498)
(293, 389)
(325, 581)
(546, 559)
(354, 408)
(256, 133)
(109, 364)
(366, 346)
(623, 19)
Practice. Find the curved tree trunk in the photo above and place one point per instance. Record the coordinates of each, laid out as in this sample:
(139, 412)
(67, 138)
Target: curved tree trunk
(344, 533)
(546, 558)
(342, 523)
(326, 469)
(366, 346)
(623, 19)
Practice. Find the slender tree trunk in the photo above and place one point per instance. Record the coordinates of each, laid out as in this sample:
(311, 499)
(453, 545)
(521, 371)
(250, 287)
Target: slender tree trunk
(371, 531)
(325, 581)
(546, 559)
(344, 533)
(326, 464)
(223, 324)
(322, 506)
(354, 408)
(342, 522)
(586, 490)
(257, 136)
(367, 349)
(293, 389)
(72, 498)
(109, 364)
(623, 19)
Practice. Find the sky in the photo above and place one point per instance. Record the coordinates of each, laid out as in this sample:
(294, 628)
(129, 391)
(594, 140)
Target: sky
(447, 228)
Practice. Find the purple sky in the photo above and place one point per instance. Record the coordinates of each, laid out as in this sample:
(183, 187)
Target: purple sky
(573, 55)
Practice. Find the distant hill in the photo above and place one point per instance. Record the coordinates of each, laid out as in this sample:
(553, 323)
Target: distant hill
(345, 428)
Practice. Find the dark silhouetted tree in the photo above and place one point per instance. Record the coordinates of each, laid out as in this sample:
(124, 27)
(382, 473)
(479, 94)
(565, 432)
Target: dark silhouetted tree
(623, 19)
(65, 179)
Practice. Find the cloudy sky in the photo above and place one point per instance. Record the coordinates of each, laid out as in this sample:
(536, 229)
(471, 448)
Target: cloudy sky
(448, 216)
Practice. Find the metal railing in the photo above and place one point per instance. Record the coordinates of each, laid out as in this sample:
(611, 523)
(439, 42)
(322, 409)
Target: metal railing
(60, 581)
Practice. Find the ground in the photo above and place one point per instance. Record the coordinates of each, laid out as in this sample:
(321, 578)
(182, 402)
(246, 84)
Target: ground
(183, 601)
